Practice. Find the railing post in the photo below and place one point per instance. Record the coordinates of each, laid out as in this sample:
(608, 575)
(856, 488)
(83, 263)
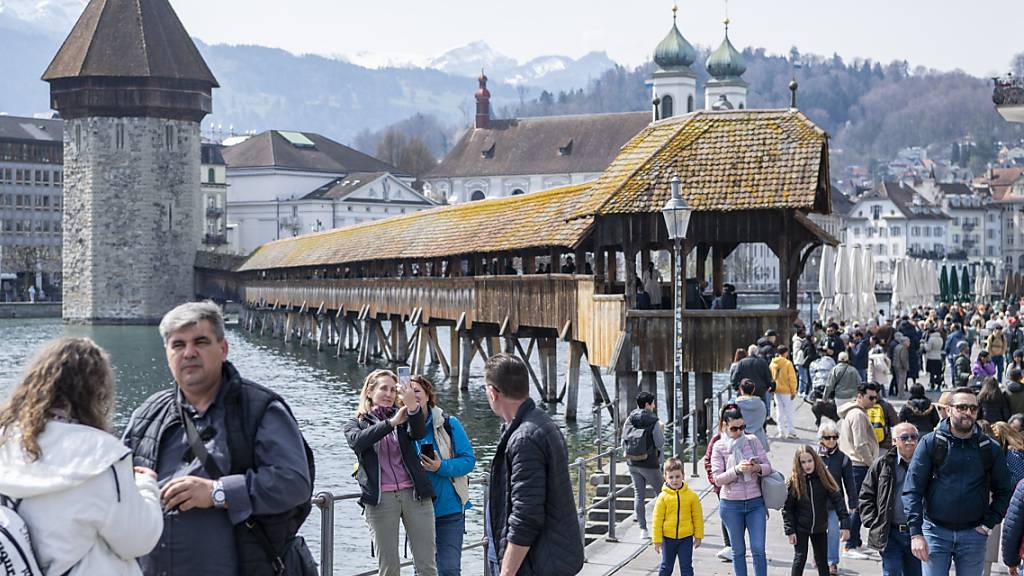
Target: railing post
(325, 501)
(600, 437)
(612, 493)
(581, 498)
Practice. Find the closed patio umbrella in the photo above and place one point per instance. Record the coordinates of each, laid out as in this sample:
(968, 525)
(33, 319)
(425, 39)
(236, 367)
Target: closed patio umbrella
(965, 286)
(827, 281)
(954, 285)
(869, 303)
(944, 284)
(843, 284)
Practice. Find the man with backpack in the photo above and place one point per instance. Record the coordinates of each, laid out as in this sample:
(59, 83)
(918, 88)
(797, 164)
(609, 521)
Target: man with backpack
(957, 489)
(236, 475)
(642, 442)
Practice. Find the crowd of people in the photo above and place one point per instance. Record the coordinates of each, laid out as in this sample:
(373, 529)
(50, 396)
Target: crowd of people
(213, 476)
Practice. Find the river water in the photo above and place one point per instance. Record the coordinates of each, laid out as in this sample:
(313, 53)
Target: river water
(322, 391)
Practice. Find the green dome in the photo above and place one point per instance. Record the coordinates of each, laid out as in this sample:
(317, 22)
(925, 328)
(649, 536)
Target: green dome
(674, 52)
(726, 61)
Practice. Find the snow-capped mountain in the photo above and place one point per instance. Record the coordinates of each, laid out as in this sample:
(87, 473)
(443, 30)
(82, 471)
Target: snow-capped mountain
(50, 16)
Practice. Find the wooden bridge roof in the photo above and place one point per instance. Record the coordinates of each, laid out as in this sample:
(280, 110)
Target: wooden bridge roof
(726, 160)
(538, 220)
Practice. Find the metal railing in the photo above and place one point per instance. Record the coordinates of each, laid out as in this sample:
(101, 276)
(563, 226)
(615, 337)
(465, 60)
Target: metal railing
(325, 502)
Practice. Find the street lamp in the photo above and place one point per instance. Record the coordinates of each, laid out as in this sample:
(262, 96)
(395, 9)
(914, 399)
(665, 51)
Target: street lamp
(677, 220)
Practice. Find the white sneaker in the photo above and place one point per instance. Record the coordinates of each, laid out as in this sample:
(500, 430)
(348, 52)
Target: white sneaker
(645, 533)
(725, 554)
(854, 554)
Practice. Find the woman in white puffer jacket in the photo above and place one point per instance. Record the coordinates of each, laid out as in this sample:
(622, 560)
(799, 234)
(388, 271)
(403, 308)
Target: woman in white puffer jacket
(88, 511)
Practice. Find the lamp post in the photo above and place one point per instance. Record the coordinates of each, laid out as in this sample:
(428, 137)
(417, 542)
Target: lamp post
(677, 220)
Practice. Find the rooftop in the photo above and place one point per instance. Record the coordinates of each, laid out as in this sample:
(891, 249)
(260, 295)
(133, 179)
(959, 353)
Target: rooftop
(302, 151)
(544, 145)
(31, 129)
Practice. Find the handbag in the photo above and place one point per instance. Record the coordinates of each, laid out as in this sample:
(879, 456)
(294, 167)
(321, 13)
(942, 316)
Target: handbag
(773, 490)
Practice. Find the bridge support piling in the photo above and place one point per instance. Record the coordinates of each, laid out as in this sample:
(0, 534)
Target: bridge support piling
(669, 379)
(547, 347)
(573, 377)
(465, 358)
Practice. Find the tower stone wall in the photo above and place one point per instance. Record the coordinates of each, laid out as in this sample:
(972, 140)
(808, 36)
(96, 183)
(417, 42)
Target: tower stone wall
(132, 217)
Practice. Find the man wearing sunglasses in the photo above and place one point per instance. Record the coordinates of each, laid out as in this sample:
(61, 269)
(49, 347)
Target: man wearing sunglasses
(857, 440)
(957, 488)
(881, 504)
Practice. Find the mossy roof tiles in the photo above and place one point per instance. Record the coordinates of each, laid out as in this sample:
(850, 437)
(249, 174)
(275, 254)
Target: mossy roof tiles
(537, 220)
(726, 160)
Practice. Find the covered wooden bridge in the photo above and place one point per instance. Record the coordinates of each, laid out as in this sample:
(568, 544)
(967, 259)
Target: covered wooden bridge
(386, 287)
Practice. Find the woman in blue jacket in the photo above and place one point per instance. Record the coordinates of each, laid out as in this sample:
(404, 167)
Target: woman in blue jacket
(448, 470)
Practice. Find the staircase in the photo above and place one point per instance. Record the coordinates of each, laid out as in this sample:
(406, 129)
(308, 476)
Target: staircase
(597, 518)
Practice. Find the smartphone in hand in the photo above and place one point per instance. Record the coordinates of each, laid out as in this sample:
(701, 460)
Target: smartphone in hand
(427, 450)
(404, 377)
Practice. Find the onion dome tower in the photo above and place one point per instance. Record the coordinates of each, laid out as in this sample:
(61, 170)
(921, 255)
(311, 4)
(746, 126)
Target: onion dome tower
(674, 84)
(483, 103)
(132, 89)
(726, 89)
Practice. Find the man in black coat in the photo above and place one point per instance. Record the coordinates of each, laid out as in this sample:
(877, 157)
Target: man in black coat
(531, 524)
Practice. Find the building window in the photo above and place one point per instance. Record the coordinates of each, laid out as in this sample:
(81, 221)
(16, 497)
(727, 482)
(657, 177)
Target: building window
(119, 136)
(897, 231)
(169, 137)
(78, 137)
(476, 195)
(689, 103)
(956, 238)
(517, 192)
(937, 231)
(856, 230)
(210, 176)
(876, 212)
(956, 221)
(666, 106)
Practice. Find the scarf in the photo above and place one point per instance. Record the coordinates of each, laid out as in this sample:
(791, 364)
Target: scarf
(736, 446)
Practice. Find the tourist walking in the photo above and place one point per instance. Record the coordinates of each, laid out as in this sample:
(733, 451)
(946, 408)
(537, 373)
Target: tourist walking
(1013, 531)
(678, 522)
(982, 368)
(1017, 362)
(393, 483)
(643, 439)
(881, 504)
(1015, 391)
(531, 524)
(962, 366)
(652, 284)
(754, 413)
(933, 357)
(447, 455)
(997, 346)
(1011, 441)
(812, 493)
(756, 369)
(842, 381)
(900, 366)
(784, 376)
(726, 552)
(920, 411)
(841, 469)
(234, 469)
(738, 462)
(860, 350)
(955, 459)
(879, 367)
(992, 402)
(857, 440)
(87, 510)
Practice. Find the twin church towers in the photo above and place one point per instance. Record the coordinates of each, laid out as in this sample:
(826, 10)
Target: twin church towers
(674, 84)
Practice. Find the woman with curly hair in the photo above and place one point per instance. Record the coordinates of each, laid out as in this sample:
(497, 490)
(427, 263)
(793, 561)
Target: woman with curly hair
(392, 480)
(87, 509)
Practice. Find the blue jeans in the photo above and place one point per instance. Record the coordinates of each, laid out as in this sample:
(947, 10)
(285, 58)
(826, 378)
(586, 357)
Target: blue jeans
(897, 559)
(965, 548)
(859, 473)
(448, 533)
(748, 516)
(999, 360)
(803, 376)
(863, 374)
(833, 538)
(673, 550)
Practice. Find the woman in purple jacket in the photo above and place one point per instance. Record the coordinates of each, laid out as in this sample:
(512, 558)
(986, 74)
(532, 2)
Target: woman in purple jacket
(738, 461)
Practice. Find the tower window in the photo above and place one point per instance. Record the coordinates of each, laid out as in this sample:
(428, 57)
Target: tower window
(78, 137)
(689, 103)
(477, 195)
(666, 106)
(119, 136)
(169, 137)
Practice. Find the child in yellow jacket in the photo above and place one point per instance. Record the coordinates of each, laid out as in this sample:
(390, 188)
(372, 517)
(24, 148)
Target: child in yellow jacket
(678, 521)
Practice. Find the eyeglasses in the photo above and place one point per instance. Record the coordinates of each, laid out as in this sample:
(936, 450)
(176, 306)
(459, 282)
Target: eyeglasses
(830, 437)
(739, 428)
(873, 398)
(966, 407)
(908, 437)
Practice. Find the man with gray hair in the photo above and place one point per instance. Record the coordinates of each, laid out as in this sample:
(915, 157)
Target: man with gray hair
(235, 473)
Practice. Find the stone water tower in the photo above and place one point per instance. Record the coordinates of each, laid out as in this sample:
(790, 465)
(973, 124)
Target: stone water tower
(132, 89)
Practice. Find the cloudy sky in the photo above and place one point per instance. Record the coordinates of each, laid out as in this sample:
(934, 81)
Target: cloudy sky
(979, 37)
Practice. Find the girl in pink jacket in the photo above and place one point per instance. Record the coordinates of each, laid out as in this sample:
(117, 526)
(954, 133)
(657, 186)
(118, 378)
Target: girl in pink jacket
(738, 461)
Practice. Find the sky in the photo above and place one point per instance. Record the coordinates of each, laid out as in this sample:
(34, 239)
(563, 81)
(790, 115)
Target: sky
(977, 37)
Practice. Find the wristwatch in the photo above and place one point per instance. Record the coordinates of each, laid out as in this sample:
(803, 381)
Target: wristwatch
(219, 498)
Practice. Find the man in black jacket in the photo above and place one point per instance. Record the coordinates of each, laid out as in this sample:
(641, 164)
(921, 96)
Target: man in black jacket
(530, 521)
(881, 504)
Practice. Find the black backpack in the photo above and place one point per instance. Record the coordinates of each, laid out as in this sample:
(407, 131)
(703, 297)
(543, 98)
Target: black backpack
(940, 449)
(637, 442)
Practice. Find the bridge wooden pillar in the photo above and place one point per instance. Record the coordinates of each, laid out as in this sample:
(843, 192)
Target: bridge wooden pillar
(668, 385)
(548, 350)
(399, 339)
(573, 379)
(703, 383)
(468, 348)
(455, 348)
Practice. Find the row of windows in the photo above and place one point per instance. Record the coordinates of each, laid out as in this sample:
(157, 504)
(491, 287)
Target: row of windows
(29, 226)
(27, 176)
(170, 140)
(30, 200)
(26, 152)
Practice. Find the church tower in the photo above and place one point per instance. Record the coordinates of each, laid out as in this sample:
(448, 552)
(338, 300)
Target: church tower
(674, 84)
(726, 90)
(132, 89)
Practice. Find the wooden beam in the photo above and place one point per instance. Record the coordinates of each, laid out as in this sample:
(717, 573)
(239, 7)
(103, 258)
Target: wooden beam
(529, 369)
(573, 379)
(455, 349)
(432, 335)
